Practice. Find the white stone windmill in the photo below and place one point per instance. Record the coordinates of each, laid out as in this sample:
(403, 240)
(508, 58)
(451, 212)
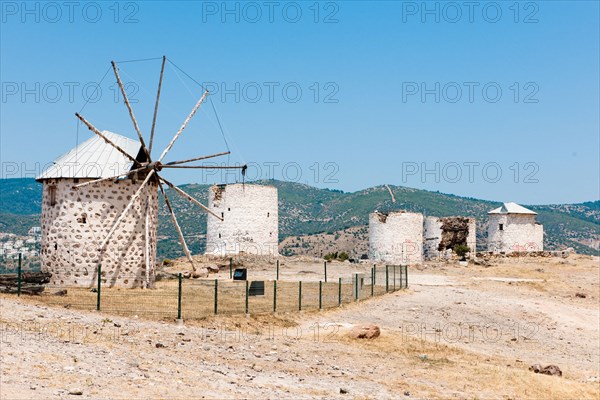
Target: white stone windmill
(117, 226)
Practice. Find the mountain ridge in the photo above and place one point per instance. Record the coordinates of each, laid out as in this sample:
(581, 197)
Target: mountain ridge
(307, 210)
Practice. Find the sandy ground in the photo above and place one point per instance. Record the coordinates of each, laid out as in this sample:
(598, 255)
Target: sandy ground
(458, 332)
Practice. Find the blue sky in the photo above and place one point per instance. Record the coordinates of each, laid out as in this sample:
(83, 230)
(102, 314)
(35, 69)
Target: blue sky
(497, 102)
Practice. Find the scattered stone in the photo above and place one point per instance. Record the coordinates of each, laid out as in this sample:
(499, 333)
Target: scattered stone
(94, 290)
(482, 262)
(369, 331)
(551, 370)
(160, 275)
(343, 391)
(75, 392)
(159, 345)
(547, 370)
(212, 268)
(60, 292)
(580, 295)
(200, 273)
(407, 393)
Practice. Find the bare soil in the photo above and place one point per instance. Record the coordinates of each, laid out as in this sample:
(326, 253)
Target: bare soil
(457, 332)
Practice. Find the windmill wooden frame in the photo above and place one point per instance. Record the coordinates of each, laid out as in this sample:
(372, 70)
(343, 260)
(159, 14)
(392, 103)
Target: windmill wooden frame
(150, 169)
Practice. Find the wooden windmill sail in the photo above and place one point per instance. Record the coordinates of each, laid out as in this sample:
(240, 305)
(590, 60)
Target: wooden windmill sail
(149, 169)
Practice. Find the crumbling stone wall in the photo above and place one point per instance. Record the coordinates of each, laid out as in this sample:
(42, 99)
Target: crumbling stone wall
(519, 233)
(396, 237)
(443, 234)
(250, 220)
(75, 223)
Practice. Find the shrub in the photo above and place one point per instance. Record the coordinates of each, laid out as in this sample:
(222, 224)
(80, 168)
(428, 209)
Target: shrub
(461, 250)
(343, 256)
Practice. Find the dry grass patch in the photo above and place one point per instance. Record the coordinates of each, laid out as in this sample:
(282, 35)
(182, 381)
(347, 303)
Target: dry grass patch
(440, 371)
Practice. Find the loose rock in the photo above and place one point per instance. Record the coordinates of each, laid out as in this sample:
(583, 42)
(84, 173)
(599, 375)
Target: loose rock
(547, 370)
(365, 332)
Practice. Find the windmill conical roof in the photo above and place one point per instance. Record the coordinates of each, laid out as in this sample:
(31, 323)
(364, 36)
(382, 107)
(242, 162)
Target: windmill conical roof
(94, 158)
(512, 208)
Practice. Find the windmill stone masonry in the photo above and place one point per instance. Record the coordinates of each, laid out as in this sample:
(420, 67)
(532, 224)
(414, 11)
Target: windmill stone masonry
(100, 205)
(442, 234)
(249, 220)
(512, 228)
(75, 220)
(396, 237)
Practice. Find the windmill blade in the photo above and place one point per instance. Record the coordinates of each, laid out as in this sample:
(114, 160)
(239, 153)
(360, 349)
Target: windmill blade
(205, 166)
(197, 158)
(147, 243)
(107, 140)
(186, 250)
(190, 198)
(187, 120)
(108, 179)
(126, 210)
(162, 71)
(126, 100)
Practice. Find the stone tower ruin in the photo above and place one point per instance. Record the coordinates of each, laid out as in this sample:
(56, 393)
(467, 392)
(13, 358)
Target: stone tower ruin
(442, 234)
(396, 237)
(250, 220)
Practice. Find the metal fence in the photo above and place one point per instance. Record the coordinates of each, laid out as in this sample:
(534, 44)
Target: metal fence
(182, 298)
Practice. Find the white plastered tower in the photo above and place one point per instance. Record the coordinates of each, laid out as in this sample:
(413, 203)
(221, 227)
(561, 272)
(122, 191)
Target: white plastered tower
(249, 220)
(513, 228)
(396, 237)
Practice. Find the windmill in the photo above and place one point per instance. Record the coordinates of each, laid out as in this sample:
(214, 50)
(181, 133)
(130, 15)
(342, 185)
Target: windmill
(147, 168)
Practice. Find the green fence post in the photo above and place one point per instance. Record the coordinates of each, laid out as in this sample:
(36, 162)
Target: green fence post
(230, 268)
(99, 287)
(247, 297)
(339, 292)
(401, 277)
(356, 286)
(394, 278)
(320, 295)
(19, 276)
(216, 295)
(277, 269)
(372, 281)
(405, 276)
(325, 266)
(179, 276)
(299, 295)
(387, 278)
(274, 296)
(375, 273)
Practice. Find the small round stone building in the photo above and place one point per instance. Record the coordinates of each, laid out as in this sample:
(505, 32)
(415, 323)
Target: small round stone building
(75, 221)
(442, 234)
(250, 220)
(512, 228)
(396, 237)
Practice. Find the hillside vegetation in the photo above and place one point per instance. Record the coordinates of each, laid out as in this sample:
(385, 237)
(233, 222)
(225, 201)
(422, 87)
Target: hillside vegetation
(306, 210)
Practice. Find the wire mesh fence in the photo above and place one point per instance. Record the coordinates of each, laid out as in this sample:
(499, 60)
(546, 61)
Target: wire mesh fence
(199, 298)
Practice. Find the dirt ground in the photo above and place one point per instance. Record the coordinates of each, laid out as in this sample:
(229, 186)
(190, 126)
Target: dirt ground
(457, 332)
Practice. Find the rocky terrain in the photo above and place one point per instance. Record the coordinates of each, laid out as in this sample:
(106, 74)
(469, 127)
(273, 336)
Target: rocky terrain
(457, 332)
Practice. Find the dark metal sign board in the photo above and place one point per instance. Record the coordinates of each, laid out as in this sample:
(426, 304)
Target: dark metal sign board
(257, 288)
(240, 274)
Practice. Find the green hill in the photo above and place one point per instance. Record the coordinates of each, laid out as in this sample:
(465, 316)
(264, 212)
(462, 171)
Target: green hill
(305, 210)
